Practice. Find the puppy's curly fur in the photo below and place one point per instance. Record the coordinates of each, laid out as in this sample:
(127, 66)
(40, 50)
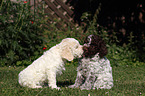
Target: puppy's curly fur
(94, 70)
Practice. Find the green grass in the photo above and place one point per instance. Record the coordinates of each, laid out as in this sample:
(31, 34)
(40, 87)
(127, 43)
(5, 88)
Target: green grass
(128, 81)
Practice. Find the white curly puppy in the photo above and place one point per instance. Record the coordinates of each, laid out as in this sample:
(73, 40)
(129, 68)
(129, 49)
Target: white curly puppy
(45, 68)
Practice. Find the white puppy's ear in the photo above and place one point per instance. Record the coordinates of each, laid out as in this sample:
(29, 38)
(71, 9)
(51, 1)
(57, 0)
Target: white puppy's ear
(67, 54)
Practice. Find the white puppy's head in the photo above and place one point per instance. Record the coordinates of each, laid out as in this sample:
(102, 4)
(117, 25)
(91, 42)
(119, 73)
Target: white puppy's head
(71, 49)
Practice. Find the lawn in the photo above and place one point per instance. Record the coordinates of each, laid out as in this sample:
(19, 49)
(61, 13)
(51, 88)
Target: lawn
(128, 81)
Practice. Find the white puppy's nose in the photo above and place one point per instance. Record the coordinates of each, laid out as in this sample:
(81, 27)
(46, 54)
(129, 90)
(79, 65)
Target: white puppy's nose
(85, 45)
(81, 46)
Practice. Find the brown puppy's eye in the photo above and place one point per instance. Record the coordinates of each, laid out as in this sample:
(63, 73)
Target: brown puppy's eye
(86, 41)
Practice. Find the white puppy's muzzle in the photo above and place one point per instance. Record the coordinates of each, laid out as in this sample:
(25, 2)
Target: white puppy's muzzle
(81, 51)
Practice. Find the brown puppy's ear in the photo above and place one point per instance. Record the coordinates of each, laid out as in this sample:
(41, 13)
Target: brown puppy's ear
(103, 49)
(67, 54)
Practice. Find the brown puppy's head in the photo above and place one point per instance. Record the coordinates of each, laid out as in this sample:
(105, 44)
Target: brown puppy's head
(93, 44)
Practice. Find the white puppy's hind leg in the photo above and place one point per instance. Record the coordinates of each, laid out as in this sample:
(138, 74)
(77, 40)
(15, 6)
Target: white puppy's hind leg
(34, 85)
(37, 87)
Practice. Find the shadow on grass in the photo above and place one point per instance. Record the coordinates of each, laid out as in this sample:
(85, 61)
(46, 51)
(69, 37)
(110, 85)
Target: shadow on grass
(64, 83)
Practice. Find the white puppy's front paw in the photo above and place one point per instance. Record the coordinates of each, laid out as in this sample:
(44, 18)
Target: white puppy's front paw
(55, 87)
(58, 88)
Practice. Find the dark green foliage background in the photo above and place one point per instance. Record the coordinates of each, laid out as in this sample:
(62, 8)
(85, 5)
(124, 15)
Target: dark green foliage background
(20, 33)
(23, 36)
